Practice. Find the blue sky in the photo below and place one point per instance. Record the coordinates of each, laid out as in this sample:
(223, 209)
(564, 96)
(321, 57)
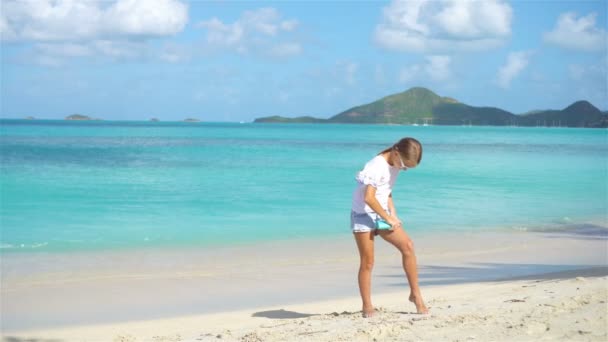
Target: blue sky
(238, 60)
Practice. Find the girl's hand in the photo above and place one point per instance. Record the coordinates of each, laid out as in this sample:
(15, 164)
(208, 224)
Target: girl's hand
(394, 221)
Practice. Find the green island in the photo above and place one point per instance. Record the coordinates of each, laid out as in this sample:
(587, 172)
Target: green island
(421, 106)
(79, 117)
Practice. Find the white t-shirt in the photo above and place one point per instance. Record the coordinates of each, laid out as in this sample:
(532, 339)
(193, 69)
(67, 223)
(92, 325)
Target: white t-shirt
(379, 174)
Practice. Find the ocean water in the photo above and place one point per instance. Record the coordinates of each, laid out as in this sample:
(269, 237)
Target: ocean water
(100, 185)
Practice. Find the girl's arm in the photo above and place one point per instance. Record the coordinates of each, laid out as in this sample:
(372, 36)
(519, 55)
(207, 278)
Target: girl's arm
(370, 199)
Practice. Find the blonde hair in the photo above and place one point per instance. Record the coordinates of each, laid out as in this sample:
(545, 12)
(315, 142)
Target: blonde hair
(408, 148)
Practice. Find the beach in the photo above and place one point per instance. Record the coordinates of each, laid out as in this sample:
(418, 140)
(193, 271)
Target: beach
(560, 307)
(493, 285)
(128, 231)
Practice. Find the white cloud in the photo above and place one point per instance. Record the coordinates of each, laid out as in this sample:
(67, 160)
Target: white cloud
(120, 49)
(61, 29)
(436, 68)
(64, 50)
(263, 20)
(443, 25)
(289, 25)
(222, 34)
(175, 53)
(575, 33)
(68, 20)
(262, 31)
(286, 50)
(6, 31)
(46, 20)
(475, 19)
(516, 63)
(59, 54)
(147, 17)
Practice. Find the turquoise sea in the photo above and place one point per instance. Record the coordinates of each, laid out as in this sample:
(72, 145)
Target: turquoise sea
(98, 185)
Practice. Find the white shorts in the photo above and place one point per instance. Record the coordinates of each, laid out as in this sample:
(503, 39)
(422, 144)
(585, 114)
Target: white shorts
(362, 222)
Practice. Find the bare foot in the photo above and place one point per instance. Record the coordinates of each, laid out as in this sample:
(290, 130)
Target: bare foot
(368, 312)
(420, 307)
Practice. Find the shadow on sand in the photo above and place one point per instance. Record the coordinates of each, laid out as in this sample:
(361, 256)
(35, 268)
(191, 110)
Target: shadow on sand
(493, 272)
(281, 314)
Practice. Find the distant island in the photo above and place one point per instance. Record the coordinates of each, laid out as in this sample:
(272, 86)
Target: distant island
(79, 117)
(421, 106)
(300, 119)
(191, 120)
(154, 119)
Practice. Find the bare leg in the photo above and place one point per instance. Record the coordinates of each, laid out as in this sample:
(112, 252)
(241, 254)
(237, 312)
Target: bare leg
(365, 244)
(399, 238)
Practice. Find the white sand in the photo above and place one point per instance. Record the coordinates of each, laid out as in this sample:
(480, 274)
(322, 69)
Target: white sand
(268, 292)
(557, 308)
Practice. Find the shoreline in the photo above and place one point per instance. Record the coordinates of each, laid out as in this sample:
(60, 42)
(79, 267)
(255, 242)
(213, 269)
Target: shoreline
(54, 291)
(595, 225)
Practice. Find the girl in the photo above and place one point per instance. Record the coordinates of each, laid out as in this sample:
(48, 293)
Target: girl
(373, 201)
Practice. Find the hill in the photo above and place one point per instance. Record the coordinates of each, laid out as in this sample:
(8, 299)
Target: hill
(411, 106)
(462, 114)
(420, 105)
(578, 114)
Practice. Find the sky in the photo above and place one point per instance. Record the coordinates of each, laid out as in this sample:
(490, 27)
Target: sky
(239, 60)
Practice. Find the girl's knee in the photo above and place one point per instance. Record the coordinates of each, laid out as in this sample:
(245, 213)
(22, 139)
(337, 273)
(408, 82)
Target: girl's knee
(367, 264)
(407, 247)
